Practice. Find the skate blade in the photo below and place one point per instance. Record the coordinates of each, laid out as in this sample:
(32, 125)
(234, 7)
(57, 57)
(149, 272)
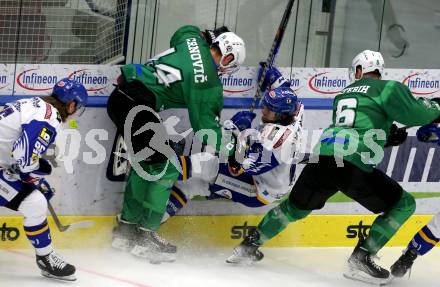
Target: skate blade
(240, 260)
(62, 278)
(122, 244)
(153, 256)
(361, 276)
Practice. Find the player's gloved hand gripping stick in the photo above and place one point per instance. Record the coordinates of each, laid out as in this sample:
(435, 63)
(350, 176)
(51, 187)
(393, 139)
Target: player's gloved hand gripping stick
(79, 224)
(273, 51)
(43, 186)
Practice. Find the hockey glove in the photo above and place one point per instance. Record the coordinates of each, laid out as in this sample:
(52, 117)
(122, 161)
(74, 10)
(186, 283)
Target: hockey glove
(43, 186)
(252, 157)
(273, 78)
(397, 136)
(44, 169)
(243, 120)
(437, 120)
(429, 133)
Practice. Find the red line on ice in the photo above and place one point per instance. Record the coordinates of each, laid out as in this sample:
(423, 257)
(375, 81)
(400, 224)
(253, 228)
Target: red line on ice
(91, 272)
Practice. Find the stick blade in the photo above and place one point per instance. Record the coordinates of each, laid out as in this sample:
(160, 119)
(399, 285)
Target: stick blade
(81, 224)
(76, 225)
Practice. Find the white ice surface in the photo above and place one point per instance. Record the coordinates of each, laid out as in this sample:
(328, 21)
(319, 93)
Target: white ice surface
(296, 267)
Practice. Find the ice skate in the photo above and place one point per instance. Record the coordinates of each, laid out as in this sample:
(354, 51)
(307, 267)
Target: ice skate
(54, 266)
(404, 263)
(361, 267)
(153, 247)
(124, 235)
(247, 252)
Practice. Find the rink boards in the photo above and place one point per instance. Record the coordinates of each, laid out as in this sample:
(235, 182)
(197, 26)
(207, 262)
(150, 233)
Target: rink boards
(79, 174)
(216, 231)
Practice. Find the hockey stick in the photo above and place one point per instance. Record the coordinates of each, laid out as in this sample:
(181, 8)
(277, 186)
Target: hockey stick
(61, 227)
(56, 219)
(68, 227)
(273, 51)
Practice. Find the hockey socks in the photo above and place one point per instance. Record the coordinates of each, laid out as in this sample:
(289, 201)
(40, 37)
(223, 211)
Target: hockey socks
(145, 201)
(277, 219)
(423, 241)
(39, 236)
(176, 201)
(387, 224)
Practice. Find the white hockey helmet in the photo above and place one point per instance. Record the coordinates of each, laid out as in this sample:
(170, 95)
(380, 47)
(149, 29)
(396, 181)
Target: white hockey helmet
(369, 61)
(231, 44)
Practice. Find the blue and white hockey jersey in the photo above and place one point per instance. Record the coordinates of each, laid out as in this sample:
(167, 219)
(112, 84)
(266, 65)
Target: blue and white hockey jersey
(270, 175)
(264, 180)
(27, 128)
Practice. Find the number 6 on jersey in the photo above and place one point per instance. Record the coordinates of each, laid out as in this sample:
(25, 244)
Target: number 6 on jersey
(346, 112)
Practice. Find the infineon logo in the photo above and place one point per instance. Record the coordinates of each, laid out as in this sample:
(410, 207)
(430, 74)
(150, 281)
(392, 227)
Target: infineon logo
(3, 81)
(323, 83)
(421, 84)
(91, 81)
(36, 80)
(232, 84)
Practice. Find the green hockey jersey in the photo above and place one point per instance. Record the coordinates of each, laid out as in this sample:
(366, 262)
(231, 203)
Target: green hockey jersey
(362, 117)
(184, 76)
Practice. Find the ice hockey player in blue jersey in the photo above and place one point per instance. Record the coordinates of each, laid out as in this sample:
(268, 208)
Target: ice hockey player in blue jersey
(267, 171)
(27, 128)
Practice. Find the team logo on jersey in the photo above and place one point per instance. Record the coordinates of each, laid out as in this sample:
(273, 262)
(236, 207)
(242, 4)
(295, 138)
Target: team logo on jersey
(17, 106)
(59, 119)
(272, 134)
(45, 136)
(6, 112)
(272, 94)
(282, 138)
(48, 112)
(34, 158)
(36, 102)
(61, 84)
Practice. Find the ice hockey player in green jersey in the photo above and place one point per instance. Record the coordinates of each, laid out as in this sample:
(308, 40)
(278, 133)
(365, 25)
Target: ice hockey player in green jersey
(345, 159)
(184, 76)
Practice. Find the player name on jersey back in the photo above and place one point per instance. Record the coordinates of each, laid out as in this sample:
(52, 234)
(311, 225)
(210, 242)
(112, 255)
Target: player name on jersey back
(358, 89)
(196, 57)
